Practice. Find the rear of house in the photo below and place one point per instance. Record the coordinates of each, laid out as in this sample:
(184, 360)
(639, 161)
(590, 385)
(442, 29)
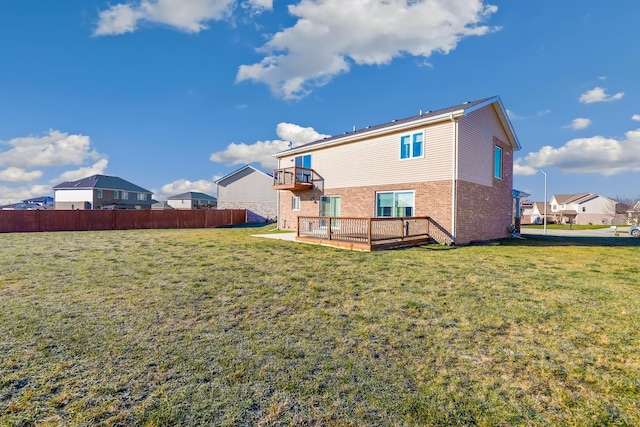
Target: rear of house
(453, 165)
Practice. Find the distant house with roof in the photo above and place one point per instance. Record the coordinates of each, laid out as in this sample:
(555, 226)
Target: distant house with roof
(583, 208)
(192, 200)
(34, 203)
(248, 188)
(45, 202)
(101, 192)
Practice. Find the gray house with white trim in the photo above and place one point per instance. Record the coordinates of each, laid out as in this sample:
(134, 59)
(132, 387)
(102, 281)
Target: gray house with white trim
(251, 189)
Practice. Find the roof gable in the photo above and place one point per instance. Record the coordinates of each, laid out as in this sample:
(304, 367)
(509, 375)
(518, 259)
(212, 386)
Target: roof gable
(238, 171)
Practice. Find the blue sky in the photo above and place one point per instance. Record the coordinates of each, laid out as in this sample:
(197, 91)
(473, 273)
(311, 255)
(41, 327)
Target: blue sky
(173, 94)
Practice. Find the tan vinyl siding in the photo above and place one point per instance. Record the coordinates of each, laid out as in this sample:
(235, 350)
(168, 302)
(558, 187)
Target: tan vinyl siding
(476, 133)
(376, 161)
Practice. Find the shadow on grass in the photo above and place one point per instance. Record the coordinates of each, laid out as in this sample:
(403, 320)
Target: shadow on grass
(538, 240)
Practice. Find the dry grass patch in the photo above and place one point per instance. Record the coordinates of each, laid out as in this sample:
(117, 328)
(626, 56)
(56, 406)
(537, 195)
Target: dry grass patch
(215, 327)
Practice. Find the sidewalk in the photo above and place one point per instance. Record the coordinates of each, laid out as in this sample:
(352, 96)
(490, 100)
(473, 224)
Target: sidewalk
(622, 231)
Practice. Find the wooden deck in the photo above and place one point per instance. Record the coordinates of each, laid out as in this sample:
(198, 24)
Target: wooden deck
(365, 234)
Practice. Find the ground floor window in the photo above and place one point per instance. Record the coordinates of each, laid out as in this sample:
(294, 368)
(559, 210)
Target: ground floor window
(330, 206)
(395, 203)
(295, 203)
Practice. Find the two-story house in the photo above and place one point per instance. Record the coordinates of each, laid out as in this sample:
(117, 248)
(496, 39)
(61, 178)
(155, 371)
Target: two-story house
(583, 208)
(452, 165)
(101, 192)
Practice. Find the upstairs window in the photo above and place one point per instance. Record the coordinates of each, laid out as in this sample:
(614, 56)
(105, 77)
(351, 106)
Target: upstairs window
(142, 196)
(497, 162)
(99, 194)
(115, 194)
(411, 146)
(125, 195)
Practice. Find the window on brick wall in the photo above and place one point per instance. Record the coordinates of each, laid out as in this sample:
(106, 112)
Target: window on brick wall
(395, 203)
(497, 162)
(295, 203)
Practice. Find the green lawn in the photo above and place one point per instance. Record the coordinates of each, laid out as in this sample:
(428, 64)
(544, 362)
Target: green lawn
(215, 327)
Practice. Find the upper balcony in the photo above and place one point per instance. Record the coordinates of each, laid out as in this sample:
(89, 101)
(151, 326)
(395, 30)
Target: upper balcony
(293, 178)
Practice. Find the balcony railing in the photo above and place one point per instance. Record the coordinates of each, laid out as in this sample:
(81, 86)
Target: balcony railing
(364, 233)
(293, 178)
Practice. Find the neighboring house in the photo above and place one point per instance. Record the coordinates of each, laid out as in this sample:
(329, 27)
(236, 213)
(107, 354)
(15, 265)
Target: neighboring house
(161, 206)
(21, 206)
(35, 203)
(192, 200)
(526, 209)
(45, 202)
(537, 213)
(248, 188)
(453, 165)
(633, 214)
(583, 208)
(101, 192)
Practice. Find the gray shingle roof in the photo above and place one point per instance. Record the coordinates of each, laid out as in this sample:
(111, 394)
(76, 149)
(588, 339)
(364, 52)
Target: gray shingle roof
(192, 195)
(103, 182)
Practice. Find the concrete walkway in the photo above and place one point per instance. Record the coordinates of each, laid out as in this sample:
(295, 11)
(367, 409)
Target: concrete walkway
(622, 231)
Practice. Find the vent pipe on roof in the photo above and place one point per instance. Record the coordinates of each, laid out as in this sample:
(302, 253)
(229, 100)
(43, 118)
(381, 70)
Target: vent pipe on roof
(354, 128)
(421, 111)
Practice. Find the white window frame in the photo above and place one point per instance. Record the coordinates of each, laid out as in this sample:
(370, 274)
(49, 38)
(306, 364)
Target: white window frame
(125, 195)
(411, 146)
(295, 203)
(142, 196)
(99, 193)
(395, 207)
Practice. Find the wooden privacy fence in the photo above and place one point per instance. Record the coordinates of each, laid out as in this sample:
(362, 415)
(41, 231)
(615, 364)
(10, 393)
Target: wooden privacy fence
(86, 220)
(364, 233)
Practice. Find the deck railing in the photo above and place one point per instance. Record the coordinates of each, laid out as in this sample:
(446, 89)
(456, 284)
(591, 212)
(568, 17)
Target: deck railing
(293, 178)
(366, 233)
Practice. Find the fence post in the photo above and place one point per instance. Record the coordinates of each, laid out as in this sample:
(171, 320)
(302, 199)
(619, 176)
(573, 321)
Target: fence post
(329, 228)
(369, 233)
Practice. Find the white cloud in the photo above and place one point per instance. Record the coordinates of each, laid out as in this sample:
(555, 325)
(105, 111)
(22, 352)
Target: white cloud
(97, 168)
(190, 16)
(599, 94)
(521, 169)
(636, 117)
(183, 185)
(262, 151)
(579, 123)
(14, 174)
(513, 116)
(605, 156)
(53, 149)
(330, 35)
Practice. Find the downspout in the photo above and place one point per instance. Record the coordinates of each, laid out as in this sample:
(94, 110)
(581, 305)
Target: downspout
(454, 180)
(278, 217)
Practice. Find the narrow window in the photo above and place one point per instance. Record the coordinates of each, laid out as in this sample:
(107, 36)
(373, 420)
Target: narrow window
(295, 203)
(115, 194)
(125, 195)
(417, 145)
(99, 194)
(405, 147)
(497, 162)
